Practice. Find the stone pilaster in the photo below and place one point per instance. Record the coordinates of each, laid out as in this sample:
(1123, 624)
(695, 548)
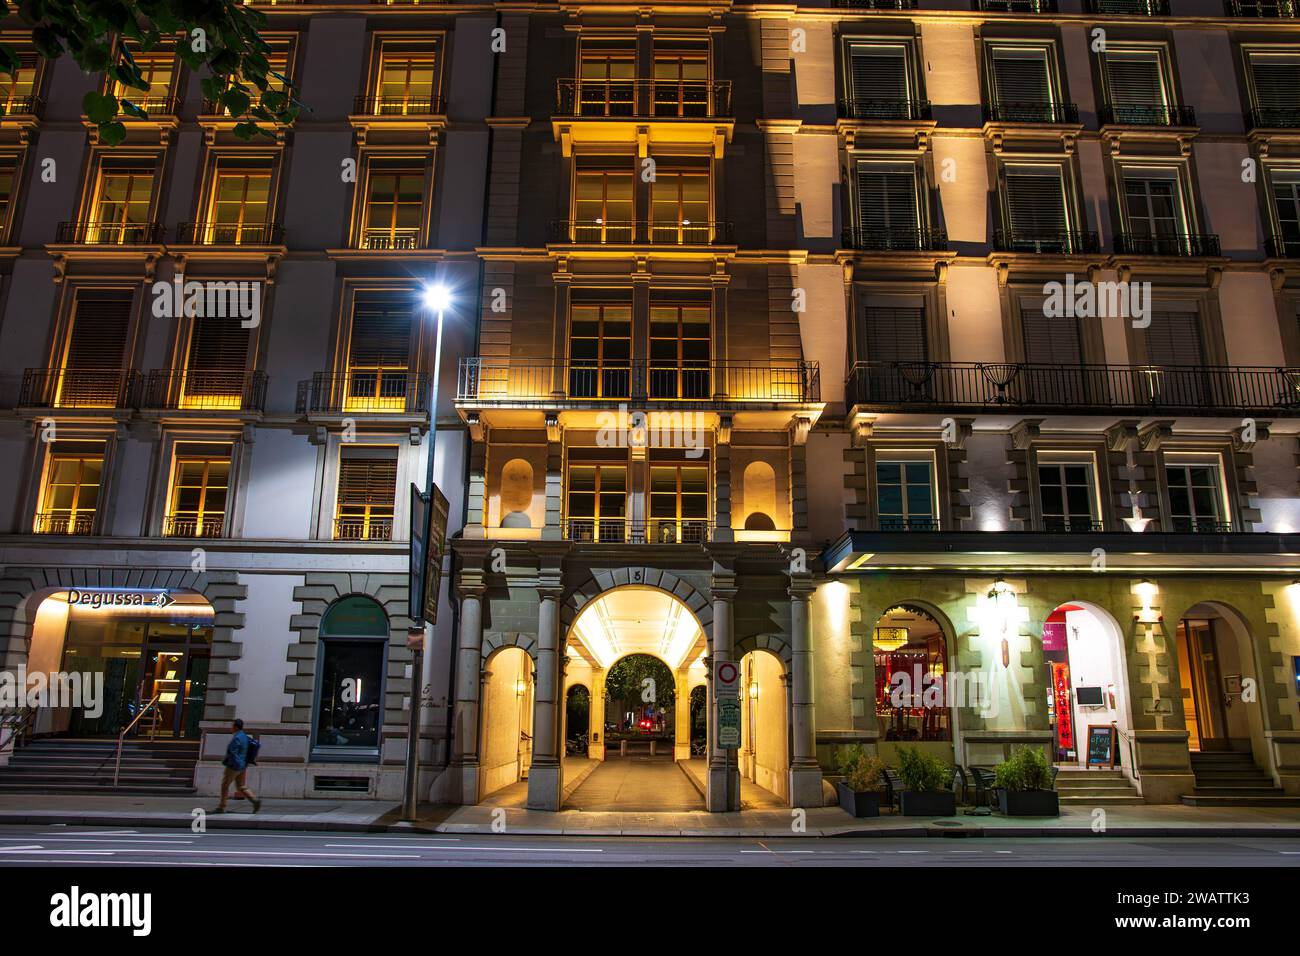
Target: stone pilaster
(805, 772)
(723, 791)
(545, 788)
(463, 780)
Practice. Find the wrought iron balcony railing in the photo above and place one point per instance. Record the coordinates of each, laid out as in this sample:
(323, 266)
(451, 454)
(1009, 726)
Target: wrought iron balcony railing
(506, 381)
(626, 531)
(355, 528)
(869, 108)
(876, 4)
(1153, 114)
(64, 522)
(1136, 8)
(23, 106)
(894, 240)
(384, 239)
(1011, 112)
(365, 391)
(1283, 247)
(204, 389)
(1175, 244)
(229, 234)
(191, 525)
(1016, 6)
(93, 233)
(907, 524)
(1066, 524)
(1275, 117)
(1185, 524)
(1191, 389)
(78, 388)
(398, 105)
(1069, 242)
(1272, 9)
(643, 99)
(626, 233)
(157, 105)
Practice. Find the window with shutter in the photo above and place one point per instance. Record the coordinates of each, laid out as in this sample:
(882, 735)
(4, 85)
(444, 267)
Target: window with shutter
(1275, 78)
(366, 495)
(1021, 76)
(91, 375)
(1135, 86)
(894, 335)
(215, 363)
(379, 349)
(878, 81)
(887, 208)
(1052, 342)
(1175, 346)
(1036, 212)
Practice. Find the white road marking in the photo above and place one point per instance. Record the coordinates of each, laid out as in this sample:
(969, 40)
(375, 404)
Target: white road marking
(71, 839)
(519, 849)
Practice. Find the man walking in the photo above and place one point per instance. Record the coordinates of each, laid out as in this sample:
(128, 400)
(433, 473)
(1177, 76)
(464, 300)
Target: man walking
(236, 769)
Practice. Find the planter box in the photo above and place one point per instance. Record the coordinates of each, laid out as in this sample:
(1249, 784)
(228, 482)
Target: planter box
(929, 803)
(1029, 803)
(858, 803)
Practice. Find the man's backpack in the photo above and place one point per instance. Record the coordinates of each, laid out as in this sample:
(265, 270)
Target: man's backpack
(254, 745)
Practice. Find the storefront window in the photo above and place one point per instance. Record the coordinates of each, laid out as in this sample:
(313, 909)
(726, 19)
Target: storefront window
(910, 655)
(350, 690)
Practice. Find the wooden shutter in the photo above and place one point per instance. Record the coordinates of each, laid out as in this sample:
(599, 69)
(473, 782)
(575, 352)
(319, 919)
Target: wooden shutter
(878, 73)
(895, 334)
(1135, 79)
(1277, 81)
(1174, 338)
(99, 330)
(367, 478)
(1051, 341)
(217, 345)
(886, 199)
(1035, 202)
(381, 335)
(1021, 78)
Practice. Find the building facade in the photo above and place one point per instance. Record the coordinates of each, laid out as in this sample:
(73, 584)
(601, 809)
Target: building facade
(877, 349)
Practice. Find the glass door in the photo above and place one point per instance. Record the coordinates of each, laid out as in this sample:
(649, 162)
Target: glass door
(175, 671)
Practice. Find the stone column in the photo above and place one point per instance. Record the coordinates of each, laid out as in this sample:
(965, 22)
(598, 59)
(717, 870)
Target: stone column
(544, 783)
(682, 717)
(596, 719)
(723, 791)
(463, 771)
(805, 772)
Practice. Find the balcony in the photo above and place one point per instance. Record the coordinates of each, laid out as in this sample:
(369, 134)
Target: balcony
(643, 99)
(390, 239)
(907, 524)
(92, 233)
(29, 107)
(1134, 8)
(1064, 524)
(1174, 244)
(366, 392)
(191, 525)
(229, 234)
(356, 528)
(1016, 6)
(1275, 117)
(894, 240)
(1050, 113)
(1283, 247)
(1074, 389)
(1066, 243)
(167, 104)
(398, 106)
(1263, 9)
(64, 522)
(169, 389)
(1186, 524)
(875, 4)
(626, 531)
(597, 232)
(527, 382)
(1155, 114)
(78, 388)
(867, 108)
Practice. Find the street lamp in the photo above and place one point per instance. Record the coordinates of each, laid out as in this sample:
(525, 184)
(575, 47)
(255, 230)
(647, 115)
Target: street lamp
(436, 298)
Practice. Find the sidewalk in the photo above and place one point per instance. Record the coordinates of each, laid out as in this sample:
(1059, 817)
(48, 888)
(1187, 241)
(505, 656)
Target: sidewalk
(372, 816)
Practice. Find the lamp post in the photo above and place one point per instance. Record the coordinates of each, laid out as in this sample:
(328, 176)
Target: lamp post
(436, 298)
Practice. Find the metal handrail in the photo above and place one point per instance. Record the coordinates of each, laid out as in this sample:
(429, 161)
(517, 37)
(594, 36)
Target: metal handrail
(1132, 754)
(20, 724)
(121, 738)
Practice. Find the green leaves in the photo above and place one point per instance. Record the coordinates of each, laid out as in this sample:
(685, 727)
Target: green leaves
(98, 107)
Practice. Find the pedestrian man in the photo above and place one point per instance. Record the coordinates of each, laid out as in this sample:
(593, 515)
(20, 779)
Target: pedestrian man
(240, 752)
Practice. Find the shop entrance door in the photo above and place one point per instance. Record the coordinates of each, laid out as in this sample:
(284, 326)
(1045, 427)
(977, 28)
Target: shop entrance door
(175, 671)
(1202, 682)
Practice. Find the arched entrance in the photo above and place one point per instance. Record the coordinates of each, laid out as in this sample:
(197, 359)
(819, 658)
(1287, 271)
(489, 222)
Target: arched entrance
(764, 728)
(577, 721)
(506, 735)
(139, 658)
(910, 656)
(1216, 671)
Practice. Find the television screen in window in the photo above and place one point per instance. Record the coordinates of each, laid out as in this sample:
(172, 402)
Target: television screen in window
(1088, 696)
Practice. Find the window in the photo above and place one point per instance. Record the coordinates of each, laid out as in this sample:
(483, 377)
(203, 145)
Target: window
(379, 349)
(1285, 187)
(18, 91)
(679, 350)
(909, 658)
(407, 82)
(1274, 79)
(1153, 206)
(603, 205)
(1196, 497)
(888, 217)
(366, 495)
(215, 363)
(1036, 212)
(679, 206)
(1135, 87)
(905, 496)
(894, 334)
(70, 492)
(600, 348)
(1174, 339)
(240, 204)
(90, 374)
(1066, 495)
(679, 504)
(681, 73)
(199, 490)
(8, 173)
(158, 71)
(1054, 358)
(878, 77)
(1023, 84)
(394, 205)
(606, 75)
(121, 207)
(597, 503)
(350, 680)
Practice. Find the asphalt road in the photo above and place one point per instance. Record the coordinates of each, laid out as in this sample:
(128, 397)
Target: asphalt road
(119, 847)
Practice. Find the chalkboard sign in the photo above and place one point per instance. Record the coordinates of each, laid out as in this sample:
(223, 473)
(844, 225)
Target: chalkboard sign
(1101, 745)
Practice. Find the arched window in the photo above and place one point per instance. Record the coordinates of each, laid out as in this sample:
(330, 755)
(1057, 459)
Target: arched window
(351, 666)
(910, 655)
(516, 494)
(759, 489)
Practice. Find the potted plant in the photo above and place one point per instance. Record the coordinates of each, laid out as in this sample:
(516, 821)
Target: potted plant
(859, 791)
(1024, 785)
(926, 780)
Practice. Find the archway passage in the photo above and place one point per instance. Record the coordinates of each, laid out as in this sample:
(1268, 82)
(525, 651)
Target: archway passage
(506, 738)
(763, 755)
(1088, 686)
(641, 651)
